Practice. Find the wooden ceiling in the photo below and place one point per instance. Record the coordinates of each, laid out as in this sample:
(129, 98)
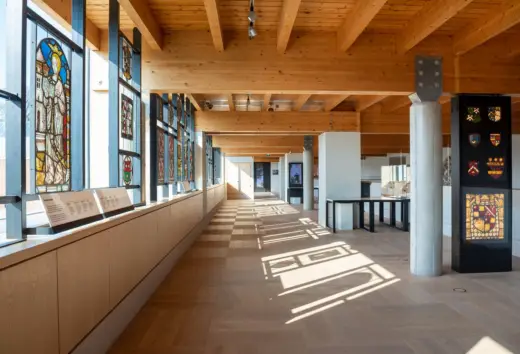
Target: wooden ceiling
(316, 56)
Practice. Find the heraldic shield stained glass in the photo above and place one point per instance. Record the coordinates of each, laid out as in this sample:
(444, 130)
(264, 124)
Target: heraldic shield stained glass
(127, 117)
(473, 115)
(127, 170)
(52, 118)
(160, 156)
(125, 60)
(171, 159)
(485, 216)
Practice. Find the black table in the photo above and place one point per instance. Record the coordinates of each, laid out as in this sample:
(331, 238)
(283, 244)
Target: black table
(405, 203)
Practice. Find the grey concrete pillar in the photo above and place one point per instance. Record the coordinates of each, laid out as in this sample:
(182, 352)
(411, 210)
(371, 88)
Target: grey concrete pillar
(426, 170)
(308, 175)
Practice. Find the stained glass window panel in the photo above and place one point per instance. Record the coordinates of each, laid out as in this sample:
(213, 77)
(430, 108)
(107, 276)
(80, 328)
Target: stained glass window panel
(160, 156)
(127, 117)
(170, 114)
(179, 161)
(171, 159)
(473, 115)
(52, 117)
(494, 114)
(127, 170)
(484, 216)
(125, 59)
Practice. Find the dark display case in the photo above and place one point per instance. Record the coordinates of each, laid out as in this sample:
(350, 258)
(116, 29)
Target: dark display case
(481, 183)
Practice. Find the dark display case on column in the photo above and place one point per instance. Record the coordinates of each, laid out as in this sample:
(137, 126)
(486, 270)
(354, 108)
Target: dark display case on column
(481, 183)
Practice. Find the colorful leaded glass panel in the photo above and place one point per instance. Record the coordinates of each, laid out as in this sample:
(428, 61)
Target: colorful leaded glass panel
(494, 114)
(186, 158)
(52, 128)
(171, 159)
(126, 59)
(170, 114)
(485, 216)
(160, 156)
(127, 170)
(127, 117)
(473, 115)
(179, 161)
(192, 165)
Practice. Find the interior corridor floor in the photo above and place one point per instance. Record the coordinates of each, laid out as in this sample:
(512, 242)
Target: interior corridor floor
(266, 278)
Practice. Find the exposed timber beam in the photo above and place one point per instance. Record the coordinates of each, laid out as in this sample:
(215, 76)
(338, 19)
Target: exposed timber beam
(268, 150)
(231, 103)
(356, 22)
(237, 141)
(364, 102)
(300, 102)
(212, 12)
(481, 30)
(267, 100)
(515, 100)
(286, 23)
(393, 103)
(333, 102)
(430, 18)
(61, 11)
(266, 159)
(194, 101)
(276, 122)
(140, 13)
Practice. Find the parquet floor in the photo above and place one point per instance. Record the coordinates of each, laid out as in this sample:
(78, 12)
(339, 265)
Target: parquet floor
(264, 278)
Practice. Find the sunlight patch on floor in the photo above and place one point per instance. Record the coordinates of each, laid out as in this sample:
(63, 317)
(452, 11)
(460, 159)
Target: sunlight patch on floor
(488, 345)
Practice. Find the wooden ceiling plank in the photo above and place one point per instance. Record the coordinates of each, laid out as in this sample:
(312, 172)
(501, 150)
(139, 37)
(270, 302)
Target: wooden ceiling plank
(357, 21)
(429, 19)
(507, 16)
(365, 102)
(276, 122)
(61, 11)
(194, 101)
(300, 102)
(393, 103)
(236, 141)
(287, 17)
(333, 102)
(212, 11)
(267, 100)
(231, 103)
(140, 13)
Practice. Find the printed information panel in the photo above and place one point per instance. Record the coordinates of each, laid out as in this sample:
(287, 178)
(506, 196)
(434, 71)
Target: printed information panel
(112, 199)
(67, 207)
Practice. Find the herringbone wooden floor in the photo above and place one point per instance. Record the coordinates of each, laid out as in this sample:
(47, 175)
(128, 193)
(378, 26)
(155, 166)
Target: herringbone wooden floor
(265, 278)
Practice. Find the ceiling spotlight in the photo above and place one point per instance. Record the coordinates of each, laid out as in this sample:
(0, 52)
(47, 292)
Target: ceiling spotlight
(252, 31)
(252, 16)
(208, 105)
(270, 107)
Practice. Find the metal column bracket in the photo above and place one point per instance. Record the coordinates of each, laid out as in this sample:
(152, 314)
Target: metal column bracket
(428, 79)
(308, 141)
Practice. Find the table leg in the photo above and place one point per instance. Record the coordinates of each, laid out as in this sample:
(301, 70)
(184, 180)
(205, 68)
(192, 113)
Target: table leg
(381, 212)
(361, 214)
(371, 216)
(392, 213)
(406, 207)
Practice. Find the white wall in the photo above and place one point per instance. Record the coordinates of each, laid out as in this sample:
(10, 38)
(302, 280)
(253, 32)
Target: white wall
(275, 179)
(371, 167)
(231, 162)
(405, 158)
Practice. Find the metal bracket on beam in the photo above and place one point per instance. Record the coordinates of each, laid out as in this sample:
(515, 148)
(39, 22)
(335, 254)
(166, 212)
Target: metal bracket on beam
(428, 78)
(308, 142)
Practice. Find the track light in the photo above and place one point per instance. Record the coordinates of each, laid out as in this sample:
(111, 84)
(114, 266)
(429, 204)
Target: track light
(252, 31)
(252, 16)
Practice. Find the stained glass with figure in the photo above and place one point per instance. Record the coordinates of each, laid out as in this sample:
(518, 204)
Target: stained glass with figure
(126, 58)
(485, 216)
(127, 117)
(171, 159)
(179, 161)
(127, 170)
(160, 156)
(52, 128)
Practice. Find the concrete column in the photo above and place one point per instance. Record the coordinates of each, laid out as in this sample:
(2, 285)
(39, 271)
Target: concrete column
(339, 175)
(308, 175)
(281, 171)
(426, 188)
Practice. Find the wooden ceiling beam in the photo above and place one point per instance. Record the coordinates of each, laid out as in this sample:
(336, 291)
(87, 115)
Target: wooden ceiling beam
(266, 159)
(333, 102)
(212, 11)
(140, 13)
(364, 102)
(429, 19)
(237, 141)
(267, 100)
(356, 22)
(231, 103)
(194, 102)
(300, 102)
(61, 11)
(287, 17)
(393, 103)
(268, 150)
(276, 122)
(482, 30)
